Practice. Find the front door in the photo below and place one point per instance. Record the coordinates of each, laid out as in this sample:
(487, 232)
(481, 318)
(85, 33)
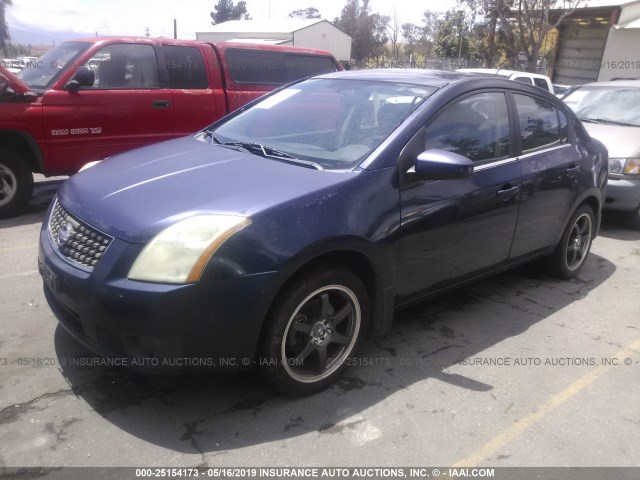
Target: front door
(124, 109)
(454, 229)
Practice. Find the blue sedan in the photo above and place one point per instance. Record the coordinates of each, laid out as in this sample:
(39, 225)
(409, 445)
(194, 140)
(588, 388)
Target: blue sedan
(280, 236)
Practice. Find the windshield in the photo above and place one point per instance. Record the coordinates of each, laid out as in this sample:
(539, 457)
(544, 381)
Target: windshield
(618, 105)
(328, 123)
(40, 73)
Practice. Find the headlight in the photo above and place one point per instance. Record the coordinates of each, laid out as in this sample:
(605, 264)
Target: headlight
(180, 252)
(624, 166)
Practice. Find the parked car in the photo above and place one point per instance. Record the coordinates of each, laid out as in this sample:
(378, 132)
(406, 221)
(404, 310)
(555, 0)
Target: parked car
(88, 99)
(282, 234)
(610, 112)
(534, 79)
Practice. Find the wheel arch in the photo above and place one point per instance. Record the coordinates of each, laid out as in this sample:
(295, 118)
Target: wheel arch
(592, 198)
(361, 258)
(24, 145)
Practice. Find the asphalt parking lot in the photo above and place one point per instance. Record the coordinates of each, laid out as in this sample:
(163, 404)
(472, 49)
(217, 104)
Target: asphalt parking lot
(518, 370)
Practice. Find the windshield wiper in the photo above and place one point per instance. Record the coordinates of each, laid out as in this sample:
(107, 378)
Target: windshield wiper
(608, 122)
(268, 152)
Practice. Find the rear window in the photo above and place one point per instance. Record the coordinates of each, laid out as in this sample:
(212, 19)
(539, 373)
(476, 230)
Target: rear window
(274, 68)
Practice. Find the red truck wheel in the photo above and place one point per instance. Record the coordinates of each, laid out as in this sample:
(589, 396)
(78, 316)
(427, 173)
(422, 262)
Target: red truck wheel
(16, 183)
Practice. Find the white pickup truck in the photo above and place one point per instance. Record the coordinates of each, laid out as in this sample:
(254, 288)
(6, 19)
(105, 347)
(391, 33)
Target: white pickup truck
(534, 79)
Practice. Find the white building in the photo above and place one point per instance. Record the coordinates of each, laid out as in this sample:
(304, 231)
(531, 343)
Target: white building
(312, 33)
(598, 42)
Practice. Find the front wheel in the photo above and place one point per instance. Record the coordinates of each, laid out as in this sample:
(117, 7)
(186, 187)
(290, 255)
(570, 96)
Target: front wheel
(16, 183)
(314, 329)
(571, 253)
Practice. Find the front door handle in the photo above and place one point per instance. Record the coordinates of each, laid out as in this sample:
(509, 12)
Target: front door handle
(160, 104)
(508, 192)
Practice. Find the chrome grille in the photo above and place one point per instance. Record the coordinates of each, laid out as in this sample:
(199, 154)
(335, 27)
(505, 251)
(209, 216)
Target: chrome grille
(75, 240)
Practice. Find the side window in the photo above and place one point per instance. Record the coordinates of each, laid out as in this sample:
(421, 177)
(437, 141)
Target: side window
(125, 66)
(476, 127)
(526, 80)
(185, 67)
(301, 66)
(542, 83)
(539, 123)
(564, 129)
(256, 66)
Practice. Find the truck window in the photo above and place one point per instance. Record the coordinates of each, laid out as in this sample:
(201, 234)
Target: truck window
(125, 66)
(542, 83)
(186, 68)
(274, 68)
(526, 80)
(302, 66)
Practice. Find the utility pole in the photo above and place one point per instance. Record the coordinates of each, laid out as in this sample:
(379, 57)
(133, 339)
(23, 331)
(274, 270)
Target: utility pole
(175, 29)
(147, 32)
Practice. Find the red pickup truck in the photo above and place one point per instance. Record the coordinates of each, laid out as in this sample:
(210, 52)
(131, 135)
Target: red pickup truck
(88, 99)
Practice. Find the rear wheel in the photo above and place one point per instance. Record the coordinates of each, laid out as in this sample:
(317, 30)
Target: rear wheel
(16, 183)
(571, 253)
(314, 329)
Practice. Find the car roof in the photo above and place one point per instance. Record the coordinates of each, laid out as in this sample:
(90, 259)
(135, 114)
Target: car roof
(431, 78)
(614, 83)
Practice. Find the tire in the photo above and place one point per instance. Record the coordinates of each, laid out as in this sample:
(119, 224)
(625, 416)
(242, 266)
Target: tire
(16, 183)
(316, 325)
(573, 249)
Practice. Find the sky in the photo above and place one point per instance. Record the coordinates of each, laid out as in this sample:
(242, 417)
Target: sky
(133, 17)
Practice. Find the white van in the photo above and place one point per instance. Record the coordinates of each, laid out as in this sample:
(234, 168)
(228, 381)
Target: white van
(534, 79)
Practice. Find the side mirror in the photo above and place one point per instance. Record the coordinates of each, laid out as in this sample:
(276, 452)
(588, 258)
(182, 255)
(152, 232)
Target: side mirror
(442, 165)
(83, 77)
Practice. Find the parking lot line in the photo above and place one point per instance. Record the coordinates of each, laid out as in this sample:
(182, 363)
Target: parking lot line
(504, 437)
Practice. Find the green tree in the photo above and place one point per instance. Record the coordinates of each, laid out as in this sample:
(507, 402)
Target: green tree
(516, 29)
(419, 38)
(226, 10)
(367, 30)
(452, 36)
(4, 28)
(303, 13)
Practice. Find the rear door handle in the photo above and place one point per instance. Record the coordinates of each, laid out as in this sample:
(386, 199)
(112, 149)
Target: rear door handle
(160, 104)
(508, 192)
(573, 170)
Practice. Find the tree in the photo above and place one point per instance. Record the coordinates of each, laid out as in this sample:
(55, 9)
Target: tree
(226, 10)
(309, 12)
(451, 38)
(393, 30)
(367, 30)
(522, 26)
(419, 39)
(4, 28)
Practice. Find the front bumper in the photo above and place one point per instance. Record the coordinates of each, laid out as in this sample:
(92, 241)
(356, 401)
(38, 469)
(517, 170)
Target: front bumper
(622, 194)
(210, 324)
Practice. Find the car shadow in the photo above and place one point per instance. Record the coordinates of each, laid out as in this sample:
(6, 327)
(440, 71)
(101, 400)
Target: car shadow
(43, 193)
(212, 413)
(616, 225)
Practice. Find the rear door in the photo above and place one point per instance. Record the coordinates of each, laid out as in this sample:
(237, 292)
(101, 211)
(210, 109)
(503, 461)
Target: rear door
(455, 229)
(124, 109)
(550, 173)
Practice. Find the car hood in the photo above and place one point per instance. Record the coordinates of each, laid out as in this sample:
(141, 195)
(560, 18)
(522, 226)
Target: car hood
(621, 142)
(14, 83)
(134, 195)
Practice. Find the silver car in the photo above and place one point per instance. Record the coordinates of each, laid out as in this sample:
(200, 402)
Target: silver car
(610, 111)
